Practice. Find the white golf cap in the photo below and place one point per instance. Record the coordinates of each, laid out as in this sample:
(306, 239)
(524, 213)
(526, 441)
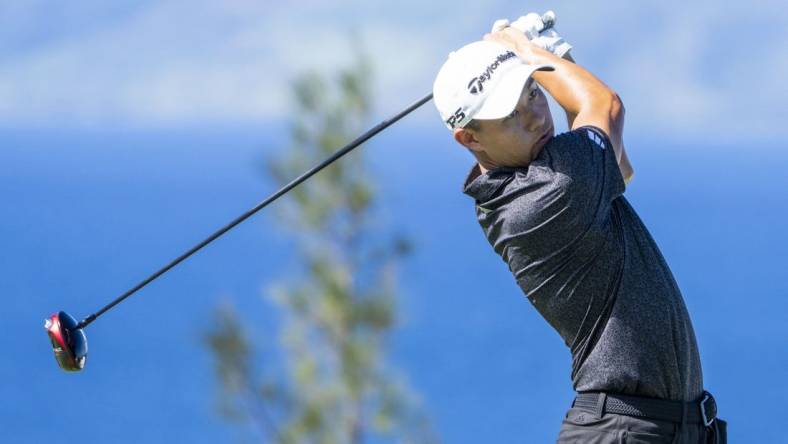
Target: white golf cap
(481, 80)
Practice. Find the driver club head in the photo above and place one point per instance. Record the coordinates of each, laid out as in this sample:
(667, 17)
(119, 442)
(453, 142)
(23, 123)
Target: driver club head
(68, 342)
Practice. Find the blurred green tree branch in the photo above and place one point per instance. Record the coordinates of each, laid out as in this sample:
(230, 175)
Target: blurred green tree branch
(335, 385)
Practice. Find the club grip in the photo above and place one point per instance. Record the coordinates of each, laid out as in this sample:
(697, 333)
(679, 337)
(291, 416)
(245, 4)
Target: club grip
(548, 18)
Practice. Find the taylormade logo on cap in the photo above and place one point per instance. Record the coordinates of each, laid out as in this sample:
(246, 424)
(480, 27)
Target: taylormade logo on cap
(482, 80)
(476, 85)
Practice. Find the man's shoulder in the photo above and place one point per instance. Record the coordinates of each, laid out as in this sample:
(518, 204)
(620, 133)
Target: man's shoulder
(504, 182)
(549, 170)
(583, 137)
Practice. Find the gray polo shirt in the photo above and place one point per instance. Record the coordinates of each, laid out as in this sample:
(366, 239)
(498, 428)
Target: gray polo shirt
(587, 263)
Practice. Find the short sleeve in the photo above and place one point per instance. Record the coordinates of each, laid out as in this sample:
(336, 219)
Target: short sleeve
(572, 183)
(586, 156)
(557, 208)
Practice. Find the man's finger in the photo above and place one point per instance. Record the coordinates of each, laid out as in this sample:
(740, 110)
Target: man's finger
(529, 24)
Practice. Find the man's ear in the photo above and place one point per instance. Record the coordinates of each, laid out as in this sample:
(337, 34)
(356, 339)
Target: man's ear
(467, 138)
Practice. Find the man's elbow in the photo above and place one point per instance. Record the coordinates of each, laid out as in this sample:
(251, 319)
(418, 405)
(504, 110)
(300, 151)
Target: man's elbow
(616, 111)
(608, 107)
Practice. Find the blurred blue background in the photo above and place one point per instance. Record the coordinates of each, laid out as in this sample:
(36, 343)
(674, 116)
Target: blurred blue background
(130, 130)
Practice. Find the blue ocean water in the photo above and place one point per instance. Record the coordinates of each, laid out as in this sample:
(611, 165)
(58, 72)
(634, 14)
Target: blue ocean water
(85, 215)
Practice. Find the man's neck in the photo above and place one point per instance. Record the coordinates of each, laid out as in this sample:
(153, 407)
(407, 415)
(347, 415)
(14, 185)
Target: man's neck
(486, 164)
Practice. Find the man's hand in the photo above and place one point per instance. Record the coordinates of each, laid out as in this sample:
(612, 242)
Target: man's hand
(539, 30)
(519, 43)
(516, 38)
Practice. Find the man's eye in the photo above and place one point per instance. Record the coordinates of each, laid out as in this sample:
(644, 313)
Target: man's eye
(532, 94)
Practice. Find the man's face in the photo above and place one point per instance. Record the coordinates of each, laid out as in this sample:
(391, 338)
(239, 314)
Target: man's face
(518, 138)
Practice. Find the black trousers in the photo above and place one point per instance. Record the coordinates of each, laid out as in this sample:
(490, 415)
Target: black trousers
(581, 426)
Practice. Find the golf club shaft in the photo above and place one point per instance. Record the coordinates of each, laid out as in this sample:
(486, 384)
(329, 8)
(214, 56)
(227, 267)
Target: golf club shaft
(346, 149)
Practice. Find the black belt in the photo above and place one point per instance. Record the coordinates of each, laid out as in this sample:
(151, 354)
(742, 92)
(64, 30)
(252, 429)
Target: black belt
(702, 411)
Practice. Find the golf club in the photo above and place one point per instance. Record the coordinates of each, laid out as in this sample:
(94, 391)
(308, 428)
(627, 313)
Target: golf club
(68, 339)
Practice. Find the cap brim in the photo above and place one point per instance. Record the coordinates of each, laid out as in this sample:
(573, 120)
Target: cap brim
(506, 94)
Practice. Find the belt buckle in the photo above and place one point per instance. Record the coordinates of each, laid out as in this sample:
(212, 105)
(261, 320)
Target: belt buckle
(709, 417)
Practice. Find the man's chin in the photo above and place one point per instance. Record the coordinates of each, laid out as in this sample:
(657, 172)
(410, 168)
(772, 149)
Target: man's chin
(541, 143)
(548, 134)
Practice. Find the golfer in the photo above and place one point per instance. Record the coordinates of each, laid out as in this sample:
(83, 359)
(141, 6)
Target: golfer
(553, 207)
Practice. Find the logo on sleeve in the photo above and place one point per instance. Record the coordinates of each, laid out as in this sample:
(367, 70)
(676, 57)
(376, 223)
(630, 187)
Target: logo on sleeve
(595, 137)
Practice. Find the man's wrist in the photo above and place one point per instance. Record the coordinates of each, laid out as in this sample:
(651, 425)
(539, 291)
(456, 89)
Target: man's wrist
(534, 55)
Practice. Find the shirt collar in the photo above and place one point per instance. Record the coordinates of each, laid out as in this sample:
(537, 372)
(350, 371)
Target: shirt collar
(483, 187)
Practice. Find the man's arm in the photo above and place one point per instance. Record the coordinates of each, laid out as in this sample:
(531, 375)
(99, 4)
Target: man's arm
(623, 161)
(584, 98)
(570, 118)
